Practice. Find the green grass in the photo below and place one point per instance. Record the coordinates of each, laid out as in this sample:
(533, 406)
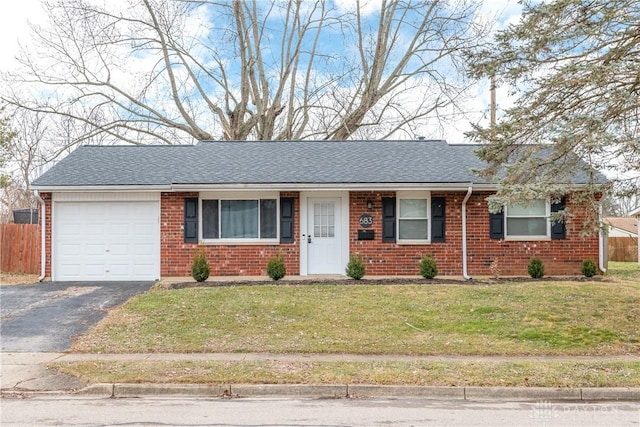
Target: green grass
(626, 271)
(525, 318)
(445, 373)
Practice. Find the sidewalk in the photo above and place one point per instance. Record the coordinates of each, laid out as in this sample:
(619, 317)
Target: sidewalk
(23, 373)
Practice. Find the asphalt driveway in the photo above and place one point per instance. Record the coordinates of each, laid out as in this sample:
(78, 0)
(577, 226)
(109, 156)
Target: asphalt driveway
(45, 317)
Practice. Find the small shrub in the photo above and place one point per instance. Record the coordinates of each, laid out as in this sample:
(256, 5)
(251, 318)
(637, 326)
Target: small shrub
(276, 268)
(589, 268)
(536, 268)
(355, 268)
(428, 267)
(200, 266)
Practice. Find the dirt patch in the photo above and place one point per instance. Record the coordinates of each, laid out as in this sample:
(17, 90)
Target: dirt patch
(18, 278)
(94, 338)
(385, 281)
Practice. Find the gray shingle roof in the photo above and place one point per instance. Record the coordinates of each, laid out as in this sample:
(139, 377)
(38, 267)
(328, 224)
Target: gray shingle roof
(267, 162)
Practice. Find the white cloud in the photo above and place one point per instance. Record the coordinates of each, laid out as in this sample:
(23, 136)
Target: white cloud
(367, 7)
(14, 28)
(504, 12)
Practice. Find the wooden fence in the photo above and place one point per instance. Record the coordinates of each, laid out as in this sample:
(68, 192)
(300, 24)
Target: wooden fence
(623, 249)
(20, 248)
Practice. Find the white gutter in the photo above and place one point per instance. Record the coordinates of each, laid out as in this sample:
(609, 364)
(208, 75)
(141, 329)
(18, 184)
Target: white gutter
(464, 234)
(361, 186)
(601, 243)
(101, 188)
(43, 249)
(282, 186)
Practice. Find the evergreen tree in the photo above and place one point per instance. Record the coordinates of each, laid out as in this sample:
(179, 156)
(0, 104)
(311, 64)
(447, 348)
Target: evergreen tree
(574, 68)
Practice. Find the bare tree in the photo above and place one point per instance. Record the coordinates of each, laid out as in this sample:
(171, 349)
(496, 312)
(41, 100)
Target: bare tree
(23, 158)
(31, 130)
(626, 204)
(175, 71)
(6, 137)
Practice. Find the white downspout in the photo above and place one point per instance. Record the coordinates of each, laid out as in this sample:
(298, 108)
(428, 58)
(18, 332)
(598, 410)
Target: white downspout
(43, 251)
(464, 234)
(601, 254)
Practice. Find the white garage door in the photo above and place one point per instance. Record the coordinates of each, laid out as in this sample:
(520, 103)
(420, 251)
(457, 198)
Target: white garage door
(118, 240)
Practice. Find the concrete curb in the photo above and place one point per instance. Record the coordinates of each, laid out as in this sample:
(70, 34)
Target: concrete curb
(290, 390)
(101, 389)
(363, 390)
(320, 391)
(195, 390)
(628, 394)
(522, 393)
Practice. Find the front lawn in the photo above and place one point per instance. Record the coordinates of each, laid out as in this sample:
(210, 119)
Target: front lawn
(520, 318)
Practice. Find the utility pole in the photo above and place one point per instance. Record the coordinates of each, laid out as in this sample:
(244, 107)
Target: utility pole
(492, 88)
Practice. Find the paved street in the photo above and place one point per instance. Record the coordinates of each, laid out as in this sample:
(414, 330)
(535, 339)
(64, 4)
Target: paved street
(68, 411)
(46, 316)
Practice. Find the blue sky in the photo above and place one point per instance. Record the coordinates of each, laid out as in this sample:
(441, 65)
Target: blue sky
(14, 29)
(16, 14)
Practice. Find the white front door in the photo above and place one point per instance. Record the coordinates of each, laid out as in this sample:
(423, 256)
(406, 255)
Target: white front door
(324, 236)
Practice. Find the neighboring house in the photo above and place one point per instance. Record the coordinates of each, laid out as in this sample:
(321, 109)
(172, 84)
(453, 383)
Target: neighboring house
(622, 238)
(622, 226)
(636, 214)
(139, 212)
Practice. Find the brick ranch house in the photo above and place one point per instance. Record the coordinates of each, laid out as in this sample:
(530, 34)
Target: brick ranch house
(139, 212)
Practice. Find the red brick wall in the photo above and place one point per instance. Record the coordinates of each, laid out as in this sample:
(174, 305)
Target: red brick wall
(395, 259)
(231, 260)
(560, 257)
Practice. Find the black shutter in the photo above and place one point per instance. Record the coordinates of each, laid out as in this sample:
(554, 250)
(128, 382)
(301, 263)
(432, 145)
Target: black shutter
(558, 229)
(437, 219)
(496, 225)
(286, 220)
(389, 219)
(191, 220)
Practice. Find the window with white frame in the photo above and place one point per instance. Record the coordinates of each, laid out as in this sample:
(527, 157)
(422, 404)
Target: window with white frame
(527, 220)
(241, 219)
(413, 217)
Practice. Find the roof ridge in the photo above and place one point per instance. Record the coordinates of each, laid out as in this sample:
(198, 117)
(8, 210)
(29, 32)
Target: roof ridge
(279, 141)
(135, 145)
